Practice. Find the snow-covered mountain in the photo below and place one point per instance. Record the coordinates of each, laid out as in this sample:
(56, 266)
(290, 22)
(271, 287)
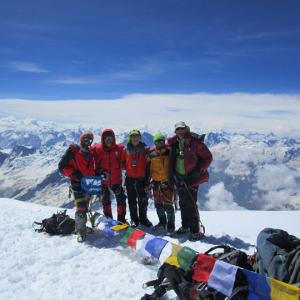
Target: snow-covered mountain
(39, 266)
(250, 170)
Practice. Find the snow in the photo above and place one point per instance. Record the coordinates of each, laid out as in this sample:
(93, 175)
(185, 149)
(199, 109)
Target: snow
(38, 266)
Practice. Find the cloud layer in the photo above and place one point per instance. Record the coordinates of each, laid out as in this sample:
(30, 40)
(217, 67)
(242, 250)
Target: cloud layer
(220, 199)
(237, 111)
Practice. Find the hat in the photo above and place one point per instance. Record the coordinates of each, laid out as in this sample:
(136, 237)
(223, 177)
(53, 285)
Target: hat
(158, 137)
(180, 125)
(134, 132)
(87, 134)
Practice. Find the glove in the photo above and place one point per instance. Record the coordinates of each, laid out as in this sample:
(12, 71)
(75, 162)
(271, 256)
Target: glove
(77, 175)
(194, 176)
(101, 174)
(178, 181)
(164, 185)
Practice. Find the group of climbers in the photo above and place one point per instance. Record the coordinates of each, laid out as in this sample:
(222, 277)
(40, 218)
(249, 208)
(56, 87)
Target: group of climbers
(179, 163)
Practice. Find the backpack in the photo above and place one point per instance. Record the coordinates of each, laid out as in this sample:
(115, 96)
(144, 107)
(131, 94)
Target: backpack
(278, 255)
(59, 223)
(199, 137)
(173, 278)
(231, 255)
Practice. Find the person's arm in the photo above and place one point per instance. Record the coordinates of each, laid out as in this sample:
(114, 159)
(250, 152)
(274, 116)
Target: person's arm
(65, 167)
(204, 157)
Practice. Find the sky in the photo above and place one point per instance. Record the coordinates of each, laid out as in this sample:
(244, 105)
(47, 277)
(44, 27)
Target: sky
(57, 50)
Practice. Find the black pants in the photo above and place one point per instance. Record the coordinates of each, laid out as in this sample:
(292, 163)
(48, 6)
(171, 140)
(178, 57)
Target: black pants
(137, 199)
(118, 191)
(189, 208)
(166, 215)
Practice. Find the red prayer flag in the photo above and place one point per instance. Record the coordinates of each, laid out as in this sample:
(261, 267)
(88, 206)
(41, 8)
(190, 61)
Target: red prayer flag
(203, 266)
(136, 235)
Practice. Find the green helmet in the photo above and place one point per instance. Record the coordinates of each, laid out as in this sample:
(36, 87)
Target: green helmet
(158, 137)
(133, 132)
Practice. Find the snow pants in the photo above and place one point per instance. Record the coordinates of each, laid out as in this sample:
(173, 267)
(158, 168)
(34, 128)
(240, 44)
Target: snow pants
(118, 191)
(137, 199)
(81, 202)
(188, 207)
(163, 199)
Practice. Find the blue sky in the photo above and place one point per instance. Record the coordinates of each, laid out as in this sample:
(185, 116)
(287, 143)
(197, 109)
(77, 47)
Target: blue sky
(106, 49)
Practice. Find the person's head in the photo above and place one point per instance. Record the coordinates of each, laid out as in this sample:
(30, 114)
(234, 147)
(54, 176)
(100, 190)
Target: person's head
(134, 137)
(108, 138)
(159, 141)
(181, 129)
(86, 139)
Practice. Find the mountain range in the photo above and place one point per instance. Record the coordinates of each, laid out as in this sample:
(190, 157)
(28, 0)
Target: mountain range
(250, 170)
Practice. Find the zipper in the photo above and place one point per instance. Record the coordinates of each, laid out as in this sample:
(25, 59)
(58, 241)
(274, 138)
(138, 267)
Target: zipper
(109, 167)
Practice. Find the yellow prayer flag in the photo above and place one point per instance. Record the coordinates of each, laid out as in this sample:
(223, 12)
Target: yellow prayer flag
(119, 227)
(173, 260)
(283, 291)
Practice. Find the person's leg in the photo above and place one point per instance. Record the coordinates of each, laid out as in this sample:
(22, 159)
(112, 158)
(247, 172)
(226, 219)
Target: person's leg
(184, 209)
(167, 199)
(81, 204)
(132, 199)
(106, 201)
(121, 202)
(158, 205)
(191, 209)
(143, 203)
(169, 208)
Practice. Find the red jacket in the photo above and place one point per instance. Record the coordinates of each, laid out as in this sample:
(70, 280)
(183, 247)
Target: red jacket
(76, 160)
(197, 158)
(135, 160)
(109, 160)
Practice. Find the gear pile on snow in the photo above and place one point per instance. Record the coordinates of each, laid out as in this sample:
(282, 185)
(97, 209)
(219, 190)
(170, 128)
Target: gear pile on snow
(59, 223)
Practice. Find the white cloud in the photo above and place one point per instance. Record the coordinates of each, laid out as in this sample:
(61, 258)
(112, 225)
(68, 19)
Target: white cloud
(278, 182)
(269, 34)
(138, 72)
(220, 199)
(76, 80)
(275, 177)
(201, 110)
(27, 67)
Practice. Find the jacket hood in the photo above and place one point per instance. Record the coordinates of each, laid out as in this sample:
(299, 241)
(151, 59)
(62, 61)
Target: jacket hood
(105, 133)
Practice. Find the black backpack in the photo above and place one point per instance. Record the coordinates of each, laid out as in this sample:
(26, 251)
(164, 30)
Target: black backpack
(231, 255)
(173, 278)
(278, 255)
(59, 223)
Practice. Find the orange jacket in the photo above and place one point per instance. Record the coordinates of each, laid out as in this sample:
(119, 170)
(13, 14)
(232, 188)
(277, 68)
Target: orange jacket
(135, 160)
(159, 164)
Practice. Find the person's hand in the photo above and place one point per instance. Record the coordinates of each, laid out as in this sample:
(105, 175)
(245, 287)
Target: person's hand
(77, 175)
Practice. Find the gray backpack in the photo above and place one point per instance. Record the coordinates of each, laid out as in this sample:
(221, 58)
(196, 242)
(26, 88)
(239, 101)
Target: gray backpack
(278, 255)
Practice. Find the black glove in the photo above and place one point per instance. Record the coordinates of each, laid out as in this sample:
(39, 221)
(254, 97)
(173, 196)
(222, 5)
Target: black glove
(171, 182)
(77, 175)
(194, 176)
(178, 181)
(101, 174)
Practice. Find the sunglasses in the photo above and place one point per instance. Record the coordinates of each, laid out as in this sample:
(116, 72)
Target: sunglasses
(135, 136)
(159, 142)
(180, 128)
(109, 138)
(87, 140)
